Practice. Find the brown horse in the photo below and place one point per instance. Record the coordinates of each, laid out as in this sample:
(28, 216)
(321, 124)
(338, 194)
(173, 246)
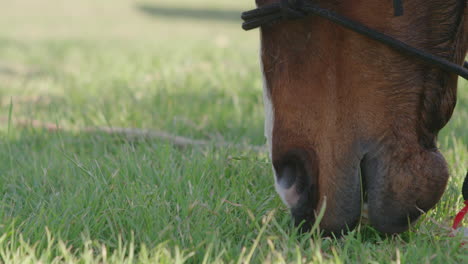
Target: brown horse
(350, 120)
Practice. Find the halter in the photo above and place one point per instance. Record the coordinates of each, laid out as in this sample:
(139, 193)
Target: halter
(296, 9)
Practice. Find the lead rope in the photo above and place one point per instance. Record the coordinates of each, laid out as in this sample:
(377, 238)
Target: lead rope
(464, 211)
(296, 9)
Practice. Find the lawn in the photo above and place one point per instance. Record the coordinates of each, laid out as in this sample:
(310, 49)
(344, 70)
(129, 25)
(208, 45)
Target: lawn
(80, 195)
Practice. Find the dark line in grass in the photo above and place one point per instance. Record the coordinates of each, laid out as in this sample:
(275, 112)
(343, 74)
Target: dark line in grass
(190, 13)
(132, 133)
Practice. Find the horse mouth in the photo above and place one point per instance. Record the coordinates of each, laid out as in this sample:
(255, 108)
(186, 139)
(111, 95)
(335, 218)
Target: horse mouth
(387, 195)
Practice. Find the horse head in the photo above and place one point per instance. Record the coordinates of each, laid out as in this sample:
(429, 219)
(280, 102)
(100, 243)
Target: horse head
(351, 121)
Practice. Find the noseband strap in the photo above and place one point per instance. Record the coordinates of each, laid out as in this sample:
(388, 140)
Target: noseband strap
(296, 9)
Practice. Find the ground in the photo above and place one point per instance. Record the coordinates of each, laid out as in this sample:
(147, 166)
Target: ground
(184, 67)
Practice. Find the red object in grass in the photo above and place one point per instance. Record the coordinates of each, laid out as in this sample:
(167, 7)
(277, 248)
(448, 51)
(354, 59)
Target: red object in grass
(464, 211)
(460, 216)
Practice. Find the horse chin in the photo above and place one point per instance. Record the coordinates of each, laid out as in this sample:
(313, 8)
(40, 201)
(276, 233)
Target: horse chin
(401, 184)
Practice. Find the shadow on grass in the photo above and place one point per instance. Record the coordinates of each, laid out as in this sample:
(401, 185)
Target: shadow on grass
(191, 13)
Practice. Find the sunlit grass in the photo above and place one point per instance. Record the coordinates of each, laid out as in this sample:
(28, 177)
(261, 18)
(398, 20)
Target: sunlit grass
(91, 197)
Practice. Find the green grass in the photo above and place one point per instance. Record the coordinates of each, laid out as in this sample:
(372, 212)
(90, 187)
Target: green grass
(90, 197)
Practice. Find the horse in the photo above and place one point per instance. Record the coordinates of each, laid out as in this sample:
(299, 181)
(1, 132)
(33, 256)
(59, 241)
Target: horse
(350, 121)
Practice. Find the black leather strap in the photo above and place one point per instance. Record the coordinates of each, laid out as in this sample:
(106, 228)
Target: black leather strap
(296, 9)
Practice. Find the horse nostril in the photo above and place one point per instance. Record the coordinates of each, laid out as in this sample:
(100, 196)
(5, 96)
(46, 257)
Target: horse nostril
(291, 170)
(287, 176)
(296, 183)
